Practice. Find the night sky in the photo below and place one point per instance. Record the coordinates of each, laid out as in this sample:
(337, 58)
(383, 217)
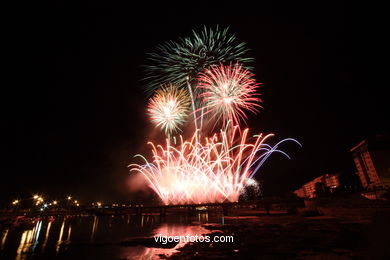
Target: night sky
(76, 113)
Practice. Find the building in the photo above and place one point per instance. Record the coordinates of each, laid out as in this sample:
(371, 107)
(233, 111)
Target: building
(308, 190)
(372, 160)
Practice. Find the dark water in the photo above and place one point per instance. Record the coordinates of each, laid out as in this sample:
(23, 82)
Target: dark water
(92, 237)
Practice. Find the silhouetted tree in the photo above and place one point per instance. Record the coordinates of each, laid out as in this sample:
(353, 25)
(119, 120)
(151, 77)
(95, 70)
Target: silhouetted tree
(386, 196)
(321, 190)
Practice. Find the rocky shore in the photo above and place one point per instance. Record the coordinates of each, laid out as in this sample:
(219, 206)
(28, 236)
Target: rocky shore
(297, 237)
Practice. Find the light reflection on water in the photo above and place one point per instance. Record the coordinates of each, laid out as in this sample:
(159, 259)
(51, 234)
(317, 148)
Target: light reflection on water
(46, 235)
(3, 238)
(141, 252)
(94, 226)
(29, 240)
(95, 237)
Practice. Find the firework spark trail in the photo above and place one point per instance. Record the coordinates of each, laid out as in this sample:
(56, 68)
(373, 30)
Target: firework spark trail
(169, 107)
(203, 169)
(179, 61)
(226, 92)
(209, 172)
(192, 103)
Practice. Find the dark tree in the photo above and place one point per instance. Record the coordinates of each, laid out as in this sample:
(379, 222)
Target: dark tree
(321, 190)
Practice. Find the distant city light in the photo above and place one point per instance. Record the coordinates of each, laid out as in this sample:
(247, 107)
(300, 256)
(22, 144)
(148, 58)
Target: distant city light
(42, 204)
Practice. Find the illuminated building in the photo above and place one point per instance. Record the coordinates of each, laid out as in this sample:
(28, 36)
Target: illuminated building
(372, 160)
(308, 190)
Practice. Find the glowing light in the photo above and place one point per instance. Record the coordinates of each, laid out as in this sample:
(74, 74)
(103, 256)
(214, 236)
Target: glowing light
(69, 198)
(94, 227)
(59, 241)
(169, 107)
(54, 202)
(213, 171)
(181, 61)
(4, 238)
(252, 188)
(47, 234)
(226, 92)
(15, 202)
(203, 169)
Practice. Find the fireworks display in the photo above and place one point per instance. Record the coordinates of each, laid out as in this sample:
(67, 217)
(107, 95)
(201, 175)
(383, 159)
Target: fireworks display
(169, 107)
(215, 170)
(208, 77)
(178, 61)
(227, 91)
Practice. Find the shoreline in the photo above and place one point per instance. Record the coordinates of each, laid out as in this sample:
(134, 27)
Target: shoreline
(295, 237)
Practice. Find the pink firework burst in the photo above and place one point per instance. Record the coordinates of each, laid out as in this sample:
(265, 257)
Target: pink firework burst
(215, 169)
(227, 92)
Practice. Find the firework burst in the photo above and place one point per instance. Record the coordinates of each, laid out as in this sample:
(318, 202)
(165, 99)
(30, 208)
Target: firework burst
(227, 92)
(216, 170)
(203, 169)
(178, 61)
(169, 107)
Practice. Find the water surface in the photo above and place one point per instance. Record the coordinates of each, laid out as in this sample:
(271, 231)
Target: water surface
(97, 237)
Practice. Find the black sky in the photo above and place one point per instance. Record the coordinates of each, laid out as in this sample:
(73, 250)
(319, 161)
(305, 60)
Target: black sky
(76, 114)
